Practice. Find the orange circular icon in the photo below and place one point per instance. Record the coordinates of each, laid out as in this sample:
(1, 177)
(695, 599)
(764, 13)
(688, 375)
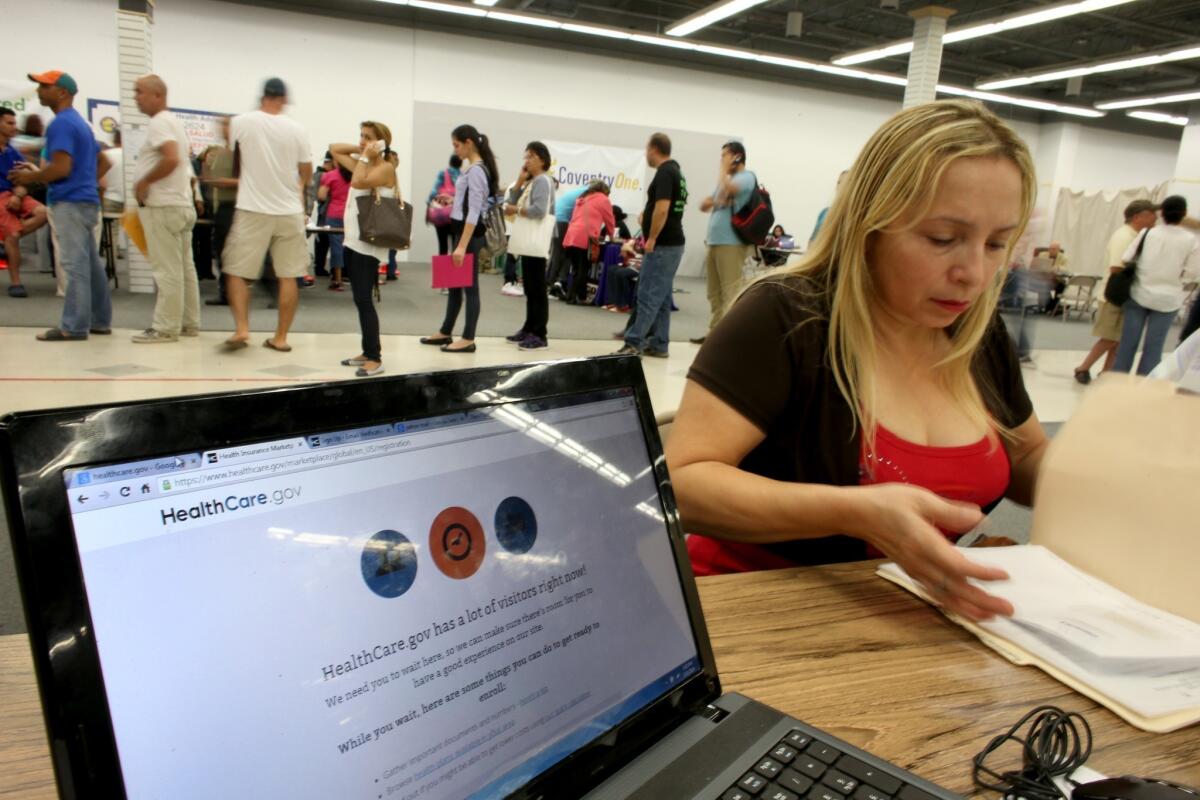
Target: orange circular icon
(456, 543)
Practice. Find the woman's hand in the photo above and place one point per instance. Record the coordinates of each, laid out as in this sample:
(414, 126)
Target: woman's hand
(904, 522)
(460, 253)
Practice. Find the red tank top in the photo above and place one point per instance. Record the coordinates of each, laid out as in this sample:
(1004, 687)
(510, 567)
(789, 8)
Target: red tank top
(975, 473)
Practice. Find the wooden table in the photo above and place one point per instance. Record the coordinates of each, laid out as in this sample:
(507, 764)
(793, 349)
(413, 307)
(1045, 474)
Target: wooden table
(835, 646)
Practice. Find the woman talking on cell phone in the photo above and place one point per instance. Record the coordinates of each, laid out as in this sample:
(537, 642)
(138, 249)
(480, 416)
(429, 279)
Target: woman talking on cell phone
(473, 192)
(371, 169)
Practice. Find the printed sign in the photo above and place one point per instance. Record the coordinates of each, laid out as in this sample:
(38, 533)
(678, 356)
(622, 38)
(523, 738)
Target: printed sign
(622, 168)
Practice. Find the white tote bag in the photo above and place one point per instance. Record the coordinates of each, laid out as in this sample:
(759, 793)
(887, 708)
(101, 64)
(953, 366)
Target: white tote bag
(532, 237)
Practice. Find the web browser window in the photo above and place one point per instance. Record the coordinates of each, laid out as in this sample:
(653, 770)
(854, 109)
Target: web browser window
(441, 607)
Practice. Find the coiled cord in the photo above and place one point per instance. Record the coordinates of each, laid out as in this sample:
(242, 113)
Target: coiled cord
(1057, 743)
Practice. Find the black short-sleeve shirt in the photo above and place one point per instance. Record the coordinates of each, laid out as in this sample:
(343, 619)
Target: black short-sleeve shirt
(668, 184)
(768, 360)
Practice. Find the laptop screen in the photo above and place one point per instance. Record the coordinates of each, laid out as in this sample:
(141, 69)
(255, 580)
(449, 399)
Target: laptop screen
(442, 607)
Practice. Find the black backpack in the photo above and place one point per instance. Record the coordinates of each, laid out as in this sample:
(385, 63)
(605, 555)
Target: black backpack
(754, 220)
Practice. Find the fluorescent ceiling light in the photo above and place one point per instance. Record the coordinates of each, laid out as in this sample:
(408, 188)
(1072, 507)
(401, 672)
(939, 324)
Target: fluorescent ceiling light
(712, 14)
(984, 29)
(594, 30)
(1025, 102)
(1155, 116)
(750, 55)
(524, 19)
(1024, 79)
(488, 3)
(467, 11)
(1134, 102)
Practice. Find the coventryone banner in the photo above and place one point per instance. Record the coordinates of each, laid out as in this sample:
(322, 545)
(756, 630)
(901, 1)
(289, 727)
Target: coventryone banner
(622, 168)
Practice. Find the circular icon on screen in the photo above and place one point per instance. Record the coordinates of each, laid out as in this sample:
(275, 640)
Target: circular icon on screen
(456, 543)
(516, 525)
(389, 564)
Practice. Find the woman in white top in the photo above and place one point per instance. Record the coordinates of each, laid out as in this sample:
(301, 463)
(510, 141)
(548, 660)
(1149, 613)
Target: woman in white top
(372, 169)
(1170, 257)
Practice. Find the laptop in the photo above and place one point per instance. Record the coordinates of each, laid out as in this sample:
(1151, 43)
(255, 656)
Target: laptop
(466, 584)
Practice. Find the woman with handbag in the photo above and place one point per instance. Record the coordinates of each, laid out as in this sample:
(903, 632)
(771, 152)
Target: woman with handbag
(593, 211)
(531, 203)
(372, 174)
(472, 193)
(1166, 258)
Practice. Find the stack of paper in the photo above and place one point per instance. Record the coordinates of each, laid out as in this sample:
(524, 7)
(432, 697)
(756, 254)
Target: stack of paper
(1140, 662)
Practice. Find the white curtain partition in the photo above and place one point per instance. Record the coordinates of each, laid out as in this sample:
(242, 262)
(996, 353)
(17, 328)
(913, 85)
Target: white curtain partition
(1083, 222)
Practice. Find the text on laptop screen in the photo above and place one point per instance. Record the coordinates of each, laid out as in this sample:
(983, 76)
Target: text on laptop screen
(434, 608)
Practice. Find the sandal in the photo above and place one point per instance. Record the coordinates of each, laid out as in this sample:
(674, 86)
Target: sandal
(280, 348)
(230, 345)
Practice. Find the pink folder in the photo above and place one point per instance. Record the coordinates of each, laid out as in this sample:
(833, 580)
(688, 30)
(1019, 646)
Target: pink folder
(448, 276)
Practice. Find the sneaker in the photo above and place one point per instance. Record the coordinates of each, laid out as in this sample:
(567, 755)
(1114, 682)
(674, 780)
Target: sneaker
(654, 353)
(512, 290)
(517, 337)
(628, 350)
(556, 290)
(151, 336)
(533, 342)
(189, 332)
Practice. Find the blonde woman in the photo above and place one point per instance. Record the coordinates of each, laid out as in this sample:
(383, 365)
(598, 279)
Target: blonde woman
(867, 401)
(371, 168)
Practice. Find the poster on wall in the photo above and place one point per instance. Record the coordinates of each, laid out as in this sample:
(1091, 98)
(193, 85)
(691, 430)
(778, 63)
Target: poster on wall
(19, 95)
(622, 168)
(203, 127)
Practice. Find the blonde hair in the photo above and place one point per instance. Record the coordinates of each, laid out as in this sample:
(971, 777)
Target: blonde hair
(381, 131)
(896, 176)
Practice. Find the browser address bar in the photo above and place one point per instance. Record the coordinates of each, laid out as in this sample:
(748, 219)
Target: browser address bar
(322, 458)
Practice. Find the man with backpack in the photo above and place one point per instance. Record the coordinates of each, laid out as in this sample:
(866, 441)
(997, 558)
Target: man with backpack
(727, 250)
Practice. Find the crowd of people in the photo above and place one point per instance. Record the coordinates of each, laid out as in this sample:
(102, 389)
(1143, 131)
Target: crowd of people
(254, 192)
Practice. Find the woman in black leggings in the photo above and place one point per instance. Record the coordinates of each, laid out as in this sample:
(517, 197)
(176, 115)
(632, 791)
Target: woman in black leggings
(473, 194)
(372, 170)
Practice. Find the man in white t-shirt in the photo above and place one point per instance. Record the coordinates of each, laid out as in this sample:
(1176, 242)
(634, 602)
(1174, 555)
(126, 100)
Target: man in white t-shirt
(163, 187)
(273, 165)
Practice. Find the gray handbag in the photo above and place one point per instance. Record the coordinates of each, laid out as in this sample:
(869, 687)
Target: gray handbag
(384, 221)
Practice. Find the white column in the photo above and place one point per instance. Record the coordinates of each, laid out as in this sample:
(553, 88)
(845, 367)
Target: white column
(135, 57)
(925, 63)
(1187, 164)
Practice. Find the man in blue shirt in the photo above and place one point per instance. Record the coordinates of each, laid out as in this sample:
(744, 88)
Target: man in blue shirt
(20, 214)
(726, 250)
(73, 170)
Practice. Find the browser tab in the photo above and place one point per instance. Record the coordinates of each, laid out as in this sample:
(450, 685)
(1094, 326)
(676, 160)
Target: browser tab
(139, 469)
(254, 452)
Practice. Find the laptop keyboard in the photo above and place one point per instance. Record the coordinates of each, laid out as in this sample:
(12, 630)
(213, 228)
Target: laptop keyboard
(802, 767)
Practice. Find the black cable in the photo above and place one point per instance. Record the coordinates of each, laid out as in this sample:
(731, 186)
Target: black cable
(1057, 743)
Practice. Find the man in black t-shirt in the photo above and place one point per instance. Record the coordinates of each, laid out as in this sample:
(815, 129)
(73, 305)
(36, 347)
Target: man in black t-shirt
(662, 225)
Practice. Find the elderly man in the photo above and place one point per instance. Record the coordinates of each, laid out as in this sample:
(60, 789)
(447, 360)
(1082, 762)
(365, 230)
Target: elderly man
(20, 214)
(75, 166)
(163, 187)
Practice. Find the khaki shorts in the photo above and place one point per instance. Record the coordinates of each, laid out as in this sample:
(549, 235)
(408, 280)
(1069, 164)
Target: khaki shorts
(253, 234)
(1108, 322)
